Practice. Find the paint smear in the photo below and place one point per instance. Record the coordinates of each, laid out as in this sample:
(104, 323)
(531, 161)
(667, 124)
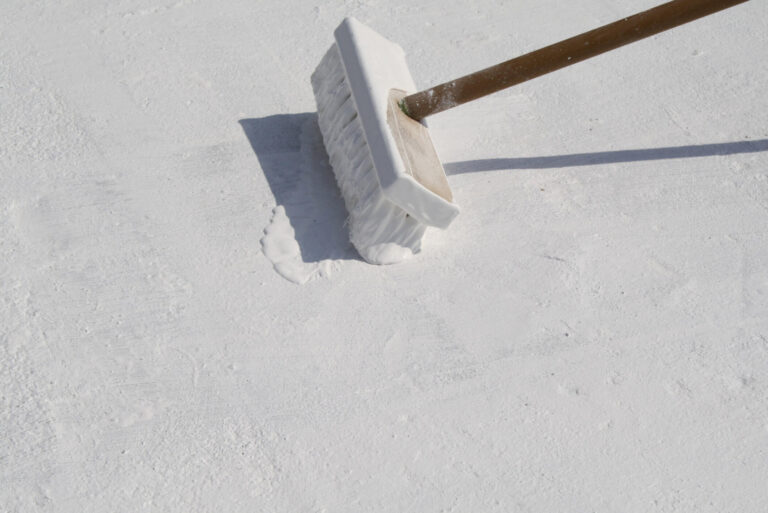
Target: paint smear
(307, 237)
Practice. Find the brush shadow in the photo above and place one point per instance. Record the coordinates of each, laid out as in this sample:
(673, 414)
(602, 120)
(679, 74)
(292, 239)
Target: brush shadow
(292, 157)
(607, 157)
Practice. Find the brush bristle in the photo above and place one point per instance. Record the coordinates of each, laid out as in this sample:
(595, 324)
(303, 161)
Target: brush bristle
(381, 232)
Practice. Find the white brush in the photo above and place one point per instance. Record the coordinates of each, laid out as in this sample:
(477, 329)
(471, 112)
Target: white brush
(390, 200)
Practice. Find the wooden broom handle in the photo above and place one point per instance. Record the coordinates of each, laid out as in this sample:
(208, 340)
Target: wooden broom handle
(559, 55)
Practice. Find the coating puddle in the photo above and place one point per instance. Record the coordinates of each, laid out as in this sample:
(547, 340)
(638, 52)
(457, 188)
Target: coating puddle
(307, 238)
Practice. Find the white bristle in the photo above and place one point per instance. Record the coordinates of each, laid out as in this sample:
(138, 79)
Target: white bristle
(382, 232)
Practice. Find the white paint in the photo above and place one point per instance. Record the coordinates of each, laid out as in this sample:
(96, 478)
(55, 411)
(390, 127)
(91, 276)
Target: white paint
(280, 246)
(591, 333)
(318, 216)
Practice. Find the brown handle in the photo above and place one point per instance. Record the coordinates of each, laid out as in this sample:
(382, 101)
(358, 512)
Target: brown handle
(559, 55)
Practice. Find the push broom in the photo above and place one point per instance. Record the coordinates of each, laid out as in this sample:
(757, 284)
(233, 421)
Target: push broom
(385, 164)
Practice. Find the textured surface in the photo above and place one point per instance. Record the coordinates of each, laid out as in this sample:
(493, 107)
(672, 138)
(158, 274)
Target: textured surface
(591, 334)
